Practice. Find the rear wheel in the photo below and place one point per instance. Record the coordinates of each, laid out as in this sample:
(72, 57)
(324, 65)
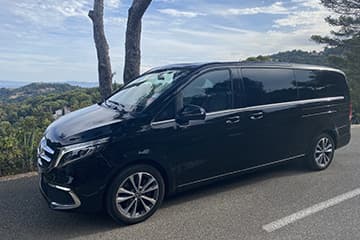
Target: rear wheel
(135, 194)
(321, 153)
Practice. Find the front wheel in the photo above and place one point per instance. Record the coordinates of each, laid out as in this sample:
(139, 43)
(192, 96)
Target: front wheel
(321, 153)
(135, 194)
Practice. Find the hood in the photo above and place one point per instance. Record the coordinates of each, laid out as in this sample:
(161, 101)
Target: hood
(86, 124)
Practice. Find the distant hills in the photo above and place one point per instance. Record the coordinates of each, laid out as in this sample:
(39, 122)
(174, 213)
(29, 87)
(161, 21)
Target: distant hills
(302, 57)
(33, 90)
(17, 84)
(316, 58)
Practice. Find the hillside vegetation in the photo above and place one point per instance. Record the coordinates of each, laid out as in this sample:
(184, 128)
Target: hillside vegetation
(323, 58)
(24, 115)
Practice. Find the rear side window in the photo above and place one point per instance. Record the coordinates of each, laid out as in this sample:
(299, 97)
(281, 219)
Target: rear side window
(267, 86)
(319, 84)
(212, 91)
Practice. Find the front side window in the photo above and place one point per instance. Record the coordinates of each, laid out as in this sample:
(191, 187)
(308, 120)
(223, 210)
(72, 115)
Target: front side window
(268, 86)
(167, 113)
(211, 91)
(141, 92)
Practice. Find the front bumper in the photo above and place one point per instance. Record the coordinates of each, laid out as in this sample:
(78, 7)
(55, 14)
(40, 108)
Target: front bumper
(80, 185)
(59, 197)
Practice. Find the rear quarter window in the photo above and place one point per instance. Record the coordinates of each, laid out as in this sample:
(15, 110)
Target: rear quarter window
(319, 84)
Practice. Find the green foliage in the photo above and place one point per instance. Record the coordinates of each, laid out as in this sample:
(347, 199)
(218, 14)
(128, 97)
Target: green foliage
(23, 121)
(347, 21)
(345, 37)
(259, 58)
(302, 57)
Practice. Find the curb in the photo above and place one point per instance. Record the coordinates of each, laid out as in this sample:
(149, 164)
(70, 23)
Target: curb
(18, 176)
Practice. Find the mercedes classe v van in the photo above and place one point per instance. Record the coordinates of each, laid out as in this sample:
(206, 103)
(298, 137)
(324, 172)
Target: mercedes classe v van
(180, 126)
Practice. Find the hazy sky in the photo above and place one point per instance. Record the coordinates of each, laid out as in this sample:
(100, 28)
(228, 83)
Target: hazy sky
(51, 40)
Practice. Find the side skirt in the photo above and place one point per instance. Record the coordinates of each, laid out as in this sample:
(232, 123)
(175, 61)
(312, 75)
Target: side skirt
(239, 171)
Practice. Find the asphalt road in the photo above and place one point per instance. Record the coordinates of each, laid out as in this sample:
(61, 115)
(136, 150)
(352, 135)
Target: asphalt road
(234, 209)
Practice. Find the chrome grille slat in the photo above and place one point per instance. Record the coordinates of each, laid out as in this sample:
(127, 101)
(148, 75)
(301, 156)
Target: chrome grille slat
(46, 158)
(48, 149)
(45, 154)
(45, 147)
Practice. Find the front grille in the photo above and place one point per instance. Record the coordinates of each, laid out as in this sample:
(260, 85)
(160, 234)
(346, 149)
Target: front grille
(46, 154)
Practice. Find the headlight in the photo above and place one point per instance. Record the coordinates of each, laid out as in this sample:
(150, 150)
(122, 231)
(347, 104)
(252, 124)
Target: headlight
(79, 151)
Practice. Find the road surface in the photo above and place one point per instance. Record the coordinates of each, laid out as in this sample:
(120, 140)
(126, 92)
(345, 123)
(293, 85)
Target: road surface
(284, 202)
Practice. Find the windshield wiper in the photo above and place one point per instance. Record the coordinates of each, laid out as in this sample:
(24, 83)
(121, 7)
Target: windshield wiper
(115, 105)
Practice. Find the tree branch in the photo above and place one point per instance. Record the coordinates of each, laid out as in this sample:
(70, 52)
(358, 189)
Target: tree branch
(102, 49)
(133, 39)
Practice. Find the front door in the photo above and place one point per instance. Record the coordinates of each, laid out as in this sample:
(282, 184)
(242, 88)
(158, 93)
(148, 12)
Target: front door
(203, 149)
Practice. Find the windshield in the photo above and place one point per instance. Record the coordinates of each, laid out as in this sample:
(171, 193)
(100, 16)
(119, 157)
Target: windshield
(141, 92)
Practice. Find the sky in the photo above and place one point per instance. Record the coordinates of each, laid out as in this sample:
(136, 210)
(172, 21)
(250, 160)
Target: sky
(52, 41)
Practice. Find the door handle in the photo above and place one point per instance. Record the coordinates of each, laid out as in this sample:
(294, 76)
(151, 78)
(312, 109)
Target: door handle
(257, 116)
(233, 120)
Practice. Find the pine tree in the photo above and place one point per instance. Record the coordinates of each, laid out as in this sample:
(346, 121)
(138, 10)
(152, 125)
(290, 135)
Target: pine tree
(347, 38)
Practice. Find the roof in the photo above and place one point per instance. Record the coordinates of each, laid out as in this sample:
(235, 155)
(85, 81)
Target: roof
(194, 66)
(178, 66)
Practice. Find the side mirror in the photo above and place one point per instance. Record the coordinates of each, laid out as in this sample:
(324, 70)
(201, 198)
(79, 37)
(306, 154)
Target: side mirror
(190, 112)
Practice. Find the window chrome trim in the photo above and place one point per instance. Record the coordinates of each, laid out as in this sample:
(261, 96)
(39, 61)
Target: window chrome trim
(273, 105)
(240, 171)
(154, 124)
(259, 107)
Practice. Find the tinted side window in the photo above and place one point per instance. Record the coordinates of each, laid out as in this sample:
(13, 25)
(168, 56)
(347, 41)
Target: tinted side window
(318, 84)
(267, 86)
(167, 113)
(212, 91)
(337, 85)
(310, 84)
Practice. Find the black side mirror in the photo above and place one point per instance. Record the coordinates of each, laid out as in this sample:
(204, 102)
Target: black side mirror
(190, 112)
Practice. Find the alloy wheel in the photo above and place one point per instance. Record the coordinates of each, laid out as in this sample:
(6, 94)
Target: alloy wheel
(324, 151)
(137, 195)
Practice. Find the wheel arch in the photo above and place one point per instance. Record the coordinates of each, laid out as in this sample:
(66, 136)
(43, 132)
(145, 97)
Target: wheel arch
(167, 177)
(333, 134)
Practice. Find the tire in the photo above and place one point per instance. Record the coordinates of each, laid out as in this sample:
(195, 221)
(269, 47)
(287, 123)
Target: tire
(129, 201)
(321, 152)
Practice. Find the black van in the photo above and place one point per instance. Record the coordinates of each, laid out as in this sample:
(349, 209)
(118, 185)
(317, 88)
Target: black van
(180, 126)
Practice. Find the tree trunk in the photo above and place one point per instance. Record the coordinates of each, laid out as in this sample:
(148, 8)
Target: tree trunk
(102, 49)
(133, 39)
